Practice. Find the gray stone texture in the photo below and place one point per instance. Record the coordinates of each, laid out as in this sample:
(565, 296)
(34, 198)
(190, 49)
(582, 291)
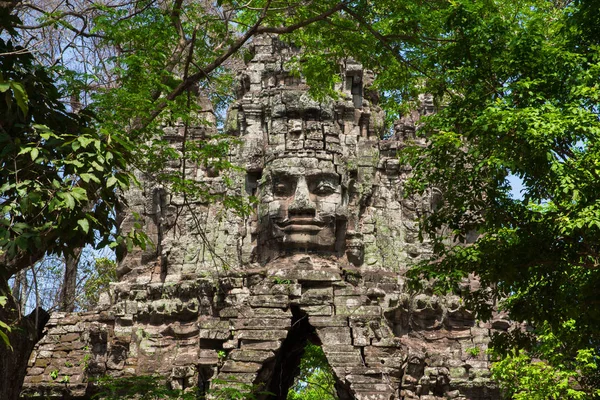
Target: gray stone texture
(322, 259)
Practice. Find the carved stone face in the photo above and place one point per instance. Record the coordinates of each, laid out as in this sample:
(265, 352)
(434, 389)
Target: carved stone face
(302, 204)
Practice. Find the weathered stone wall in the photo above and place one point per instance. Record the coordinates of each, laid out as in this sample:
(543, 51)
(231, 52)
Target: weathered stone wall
(322, 259)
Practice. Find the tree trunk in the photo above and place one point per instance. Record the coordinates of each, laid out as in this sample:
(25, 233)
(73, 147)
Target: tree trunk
(20, 289)
(67, 294)
(25, 333)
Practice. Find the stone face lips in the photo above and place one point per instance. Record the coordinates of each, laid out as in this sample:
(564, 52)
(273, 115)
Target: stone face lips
(322, 259)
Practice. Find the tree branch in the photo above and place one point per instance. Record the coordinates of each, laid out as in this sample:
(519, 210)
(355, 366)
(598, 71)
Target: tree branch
(233, 48)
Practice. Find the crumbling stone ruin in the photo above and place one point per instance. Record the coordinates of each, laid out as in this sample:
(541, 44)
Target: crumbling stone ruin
(322, 259)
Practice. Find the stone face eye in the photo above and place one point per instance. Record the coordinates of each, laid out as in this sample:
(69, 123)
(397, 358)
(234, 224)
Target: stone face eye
(324, 188)
(283, 187)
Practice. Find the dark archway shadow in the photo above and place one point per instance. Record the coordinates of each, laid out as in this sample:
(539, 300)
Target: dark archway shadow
(277, 376)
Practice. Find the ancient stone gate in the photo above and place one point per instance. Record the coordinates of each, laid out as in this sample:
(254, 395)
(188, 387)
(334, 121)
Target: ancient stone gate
(322, 259)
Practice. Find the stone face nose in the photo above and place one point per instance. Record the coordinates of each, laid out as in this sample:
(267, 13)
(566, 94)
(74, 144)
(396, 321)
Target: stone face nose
(301, 202)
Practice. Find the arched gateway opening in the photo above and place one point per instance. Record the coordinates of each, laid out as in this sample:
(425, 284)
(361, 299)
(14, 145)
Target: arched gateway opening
(278, 376)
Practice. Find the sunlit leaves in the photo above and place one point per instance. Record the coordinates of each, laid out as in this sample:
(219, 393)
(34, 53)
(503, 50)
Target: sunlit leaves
(547, 371)
(4, 328)
(18, 94)
(518, 99)
(315, 380)
(55, 172)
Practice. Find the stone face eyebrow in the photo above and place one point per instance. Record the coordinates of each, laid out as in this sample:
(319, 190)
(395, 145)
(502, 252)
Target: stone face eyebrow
(328, 177)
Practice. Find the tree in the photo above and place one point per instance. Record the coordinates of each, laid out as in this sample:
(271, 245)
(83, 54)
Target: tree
(519, 95)
(315, 380)
(97, 282)
(58, 176)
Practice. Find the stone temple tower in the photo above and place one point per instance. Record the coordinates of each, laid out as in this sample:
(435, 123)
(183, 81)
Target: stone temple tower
(322, 258)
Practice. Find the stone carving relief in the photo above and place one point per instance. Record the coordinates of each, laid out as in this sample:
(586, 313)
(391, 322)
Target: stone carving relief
(302, 205)
(322, 259)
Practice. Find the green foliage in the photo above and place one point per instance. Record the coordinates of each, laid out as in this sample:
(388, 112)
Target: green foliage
(102, 274)
(54, 374)
(4, 327)
(519, 86)
(473, 351)
(59, 174)
(139, 388)
(547, 371)
(315, 380)
(230, 388)
(279, 281)
(391, 38)
(150, 72)
(154, 388)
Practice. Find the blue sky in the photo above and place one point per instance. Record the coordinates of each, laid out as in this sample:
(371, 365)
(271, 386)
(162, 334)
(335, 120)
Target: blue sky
(516, 186)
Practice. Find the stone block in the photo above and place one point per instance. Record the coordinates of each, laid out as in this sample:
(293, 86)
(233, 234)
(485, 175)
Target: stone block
(214, 334)
(316, 296)
(334, 335)
(270, 301)
(360, 311)
(208, 357)
(251, 355)
(290, 289)
(214, 324)
(374, 395)
(361, 336)
(272, 313)
(183, 372)
(387, 342)
(260, 344)
(343, 359)
(313, 144)
(235, 311)
(310, 275)
(334, 320)
(458, 372)
(183, 330)
(348, 301)
(318, 310)
(70, 337)
(263, 335)
(40, 362)
(261, 323)
(240, 366)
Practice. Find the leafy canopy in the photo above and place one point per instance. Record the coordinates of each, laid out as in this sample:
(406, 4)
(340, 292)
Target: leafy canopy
(315, 380)
(59, 174)
(518, 86)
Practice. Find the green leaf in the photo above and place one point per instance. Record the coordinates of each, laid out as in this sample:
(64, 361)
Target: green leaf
(97, 166)
(85, 141)
(69, 200)
(79, 194)
(5, 339)
(111, 181)
(84, 224)
(34, 153)
(89, 177)
(20, 96)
